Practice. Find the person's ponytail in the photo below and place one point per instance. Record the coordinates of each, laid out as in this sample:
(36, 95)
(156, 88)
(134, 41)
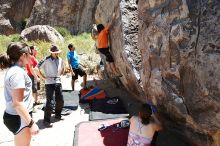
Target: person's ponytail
(145, 114)
(4, 61)
(145, 120)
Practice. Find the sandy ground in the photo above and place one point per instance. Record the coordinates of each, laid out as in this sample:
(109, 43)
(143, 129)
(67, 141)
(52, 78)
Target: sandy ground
(62, 132)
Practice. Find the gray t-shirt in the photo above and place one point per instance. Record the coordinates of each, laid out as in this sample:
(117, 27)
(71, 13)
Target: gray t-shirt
(52, 69)
(16, 78)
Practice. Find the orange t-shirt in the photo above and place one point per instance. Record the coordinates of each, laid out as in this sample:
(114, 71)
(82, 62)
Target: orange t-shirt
(103, 38)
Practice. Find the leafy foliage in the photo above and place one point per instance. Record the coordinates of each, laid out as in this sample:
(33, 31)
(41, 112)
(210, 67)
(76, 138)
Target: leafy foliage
(84, 46)
(63, 31)
(6, 40)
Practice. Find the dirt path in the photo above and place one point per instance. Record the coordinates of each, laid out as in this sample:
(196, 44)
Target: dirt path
(62, 133)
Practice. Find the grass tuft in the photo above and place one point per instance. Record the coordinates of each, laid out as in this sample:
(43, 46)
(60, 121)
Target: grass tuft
(84, 46)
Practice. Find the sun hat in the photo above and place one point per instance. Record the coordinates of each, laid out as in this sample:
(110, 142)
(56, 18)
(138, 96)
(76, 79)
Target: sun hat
(54, 49)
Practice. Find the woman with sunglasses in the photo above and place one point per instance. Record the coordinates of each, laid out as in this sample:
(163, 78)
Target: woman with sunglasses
(33, 75)
(18, 94)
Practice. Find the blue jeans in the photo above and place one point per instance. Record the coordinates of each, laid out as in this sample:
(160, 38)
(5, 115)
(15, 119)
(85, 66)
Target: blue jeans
(50, 89)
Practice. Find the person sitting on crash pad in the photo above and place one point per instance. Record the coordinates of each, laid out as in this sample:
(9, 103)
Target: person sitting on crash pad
(143, 127)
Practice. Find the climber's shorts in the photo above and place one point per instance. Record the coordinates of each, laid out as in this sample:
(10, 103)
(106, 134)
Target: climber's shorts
(105, 51)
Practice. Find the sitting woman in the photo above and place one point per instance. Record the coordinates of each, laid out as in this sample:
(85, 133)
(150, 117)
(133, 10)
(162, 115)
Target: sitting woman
(143, 127)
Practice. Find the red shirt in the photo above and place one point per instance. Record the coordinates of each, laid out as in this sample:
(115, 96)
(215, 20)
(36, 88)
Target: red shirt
(33, 62)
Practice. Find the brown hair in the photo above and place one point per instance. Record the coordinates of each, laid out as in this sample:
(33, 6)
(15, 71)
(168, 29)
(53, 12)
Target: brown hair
(145, 114)
(70, 46)
(14, 52)
(32, 50)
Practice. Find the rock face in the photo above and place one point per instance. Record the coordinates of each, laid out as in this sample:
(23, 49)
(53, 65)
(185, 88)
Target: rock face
(13, 14)
(169, 53)
(42, 32)
(75, 15)
(123, 39)
(179, 41)
(6, 27)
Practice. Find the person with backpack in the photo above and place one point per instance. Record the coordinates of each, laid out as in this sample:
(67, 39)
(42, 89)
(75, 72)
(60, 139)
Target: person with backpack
(18, 94)
(103, 46)
(53, 67)
(143, 127)
(75, 67)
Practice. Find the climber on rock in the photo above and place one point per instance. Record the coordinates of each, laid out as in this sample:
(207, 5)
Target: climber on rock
(102, 45)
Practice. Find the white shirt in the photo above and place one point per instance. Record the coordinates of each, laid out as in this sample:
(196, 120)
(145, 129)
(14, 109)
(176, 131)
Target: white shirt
(16, 78)
(52, 69)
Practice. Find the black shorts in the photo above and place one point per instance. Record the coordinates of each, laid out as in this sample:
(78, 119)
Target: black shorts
(14, 122)
(38, 85)
(78, 71)
(105, 51)
(34, 84)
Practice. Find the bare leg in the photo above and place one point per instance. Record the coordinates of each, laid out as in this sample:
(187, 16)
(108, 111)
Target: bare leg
(84, 80)
(36, 102)
(73, 84)
(114, 70)
(23, 138)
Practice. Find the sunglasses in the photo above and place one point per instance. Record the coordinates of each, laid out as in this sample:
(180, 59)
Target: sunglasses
(26, 50)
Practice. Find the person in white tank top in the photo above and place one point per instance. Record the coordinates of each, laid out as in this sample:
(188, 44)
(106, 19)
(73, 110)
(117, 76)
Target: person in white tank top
(143, 127)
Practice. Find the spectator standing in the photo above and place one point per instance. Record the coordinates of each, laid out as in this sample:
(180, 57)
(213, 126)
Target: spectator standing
(18, 94)
(31, 73)
(75, 67)
(53, 68)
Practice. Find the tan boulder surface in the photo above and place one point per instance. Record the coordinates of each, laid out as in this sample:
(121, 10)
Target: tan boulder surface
(179, 41)
(76, 15)
(168, 53)
(13, 14)
(42, 32)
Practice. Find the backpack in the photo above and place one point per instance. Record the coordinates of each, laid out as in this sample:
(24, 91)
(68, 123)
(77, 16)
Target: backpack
(86, 95)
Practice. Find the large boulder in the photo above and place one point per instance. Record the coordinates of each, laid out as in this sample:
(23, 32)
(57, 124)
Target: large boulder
(179, 41)
(76, 15)
(6, 27)
(168, 53)
(42, 32)
(13, 14)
